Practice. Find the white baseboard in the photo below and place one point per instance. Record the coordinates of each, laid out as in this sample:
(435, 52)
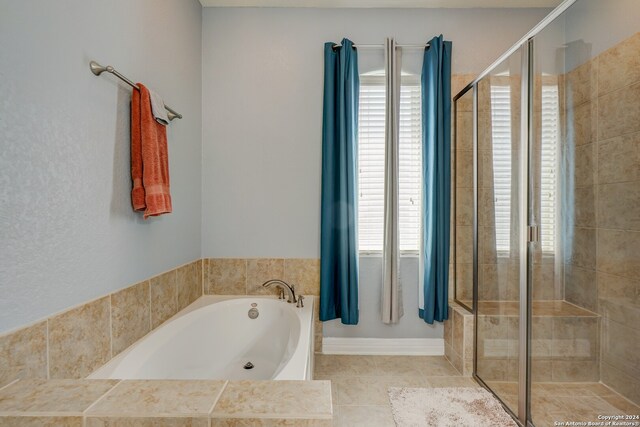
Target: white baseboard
(384, 346)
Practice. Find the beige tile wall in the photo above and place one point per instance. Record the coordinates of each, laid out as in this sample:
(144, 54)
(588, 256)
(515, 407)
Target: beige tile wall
(602, 245)
(498, 277)
(23, 354)
(458, 339)
(74, 343)
(80, 340)
(603, 272)
(244, 276)
(462, 206)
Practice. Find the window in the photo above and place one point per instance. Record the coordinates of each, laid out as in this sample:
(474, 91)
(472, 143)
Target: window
(548, 165)
(371, 127)
(501, 144)
(502, 161)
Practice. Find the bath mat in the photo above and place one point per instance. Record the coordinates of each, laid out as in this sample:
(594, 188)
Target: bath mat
(443, 407)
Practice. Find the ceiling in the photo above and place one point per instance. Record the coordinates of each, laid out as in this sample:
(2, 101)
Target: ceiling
(381, 3)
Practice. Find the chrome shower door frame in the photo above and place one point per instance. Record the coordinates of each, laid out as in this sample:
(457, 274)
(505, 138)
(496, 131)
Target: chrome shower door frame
(528, 234)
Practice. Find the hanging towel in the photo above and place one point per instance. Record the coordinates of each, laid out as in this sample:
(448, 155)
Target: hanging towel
(149, 158)
(157, 107)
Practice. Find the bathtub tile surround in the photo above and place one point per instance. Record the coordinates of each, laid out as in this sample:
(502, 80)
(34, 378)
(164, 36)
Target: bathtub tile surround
(130, 316)
(244, 276)
(225, 276)
(275, 400)
(164, 298)
(259, 271)
(31, 421)
(317, 329)
(74, 343)
(304, 273)
(146, 400)
(216, 338)
(23, 354)
(80, 340)
(175, 403)
(189, 283)
(52, 397)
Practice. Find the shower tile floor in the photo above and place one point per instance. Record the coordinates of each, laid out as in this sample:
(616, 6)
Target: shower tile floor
(359, 385)
(564, 402)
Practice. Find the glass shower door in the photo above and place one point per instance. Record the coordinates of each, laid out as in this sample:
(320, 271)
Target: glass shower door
(498, 229)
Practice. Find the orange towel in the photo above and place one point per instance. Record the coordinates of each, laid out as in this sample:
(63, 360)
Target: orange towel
(149, 158)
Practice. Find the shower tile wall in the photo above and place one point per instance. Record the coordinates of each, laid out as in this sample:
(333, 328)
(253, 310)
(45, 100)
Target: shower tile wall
(600, 109)
(458, 329)
(602, 270)
(498, 275)
(462, 214)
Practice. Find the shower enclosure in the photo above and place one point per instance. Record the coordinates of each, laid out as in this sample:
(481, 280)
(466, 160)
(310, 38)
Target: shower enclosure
(547, 149)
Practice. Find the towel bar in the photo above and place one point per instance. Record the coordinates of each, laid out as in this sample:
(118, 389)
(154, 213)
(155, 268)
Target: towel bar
(98, 69)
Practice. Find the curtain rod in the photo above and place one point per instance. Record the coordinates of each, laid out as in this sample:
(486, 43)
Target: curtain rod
(98, 69)
(381, 46)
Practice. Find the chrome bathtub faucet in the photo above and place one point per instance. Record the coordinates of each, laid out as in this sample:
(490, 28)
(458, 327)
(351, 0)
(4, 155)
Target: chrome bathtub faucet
(289, 289)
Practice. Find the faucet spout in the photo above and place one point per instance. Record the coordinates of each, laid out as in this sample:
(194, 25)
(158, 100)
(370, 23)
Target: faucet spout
(289, 289)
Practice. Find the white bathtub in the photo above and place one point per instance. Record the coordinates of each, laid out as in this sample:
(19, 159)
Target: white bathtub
(214, 338)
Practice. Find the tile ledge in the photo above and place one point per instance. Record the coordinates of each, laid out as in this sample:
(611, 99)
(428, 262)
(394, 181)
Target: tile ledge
(211, 414)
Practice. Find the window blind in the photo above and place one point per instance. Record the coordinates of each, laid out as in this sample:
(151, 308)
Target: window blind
(548, 164)
(502, 160)
(501, 157)
(371, 127)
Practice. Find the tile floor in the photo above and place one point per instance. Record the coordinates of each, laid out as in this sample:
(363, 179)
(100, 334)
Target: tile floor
(359, 385)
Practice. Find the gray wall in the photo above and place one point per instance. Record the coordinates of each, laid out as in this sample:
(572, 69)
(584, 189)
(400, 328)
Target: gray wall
(262, 126)
(598, 25)
(68, 233)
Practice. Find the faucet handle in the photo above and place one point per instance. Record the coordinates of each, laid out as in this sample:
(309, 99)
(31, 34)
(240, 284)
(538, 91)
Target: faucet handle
(300, 303)
(281, 293)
